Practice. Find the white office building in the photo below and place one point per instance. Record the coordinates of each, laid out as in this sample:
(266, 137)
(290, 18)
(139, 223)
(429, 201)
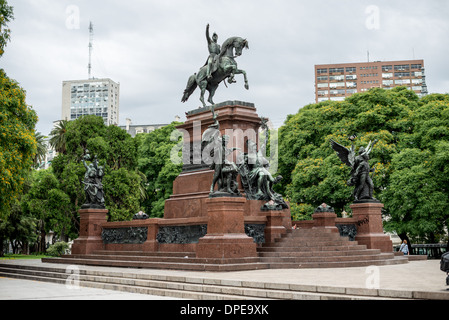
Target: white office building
(100, 97)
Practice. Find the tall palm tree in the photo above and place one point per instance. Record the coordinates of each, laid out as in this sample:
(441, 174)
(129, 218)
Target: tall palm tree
(41, 149)
(58, 137)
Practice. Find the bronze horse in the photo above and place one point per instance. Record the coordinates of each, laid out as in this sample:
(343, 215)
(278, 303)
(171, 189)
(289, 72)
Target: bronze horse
(224, 68)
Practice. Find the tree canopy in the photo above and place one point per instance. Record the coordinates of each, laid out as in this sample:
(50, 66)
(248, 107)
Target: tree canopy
(116, 151)
(409, 156)
(6, 15)
(18, 145)
(160, 172)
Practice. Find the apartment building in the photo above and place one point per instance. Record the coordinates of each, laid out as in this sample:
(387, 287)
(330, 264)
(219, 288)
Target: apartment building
(338, 81)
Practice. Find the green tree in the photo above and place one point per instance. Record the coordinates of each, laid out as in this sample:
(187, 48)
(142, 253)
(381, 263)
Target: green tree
(17, 141)
(41, 149)
(17, 122)
(312, 172)
(417, 197)
(21, 229)
(6, 15)
(122, 194)
(116, 151)
(160, 172)
(410, 158)
(49, 205)
(58, 138)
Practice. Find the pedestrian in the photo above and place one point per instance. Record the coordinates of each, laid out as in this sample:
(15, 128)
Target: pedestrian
(404, 248)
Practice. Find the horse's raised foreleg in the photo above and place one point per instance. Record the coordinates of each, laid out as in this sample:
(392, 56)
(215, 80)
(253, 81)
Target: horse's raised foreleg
(239, 71)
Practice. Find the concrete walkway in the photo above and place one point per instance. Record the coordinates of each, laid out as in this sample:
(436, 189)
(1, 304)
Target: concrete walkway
(415, 276)
(18, 289)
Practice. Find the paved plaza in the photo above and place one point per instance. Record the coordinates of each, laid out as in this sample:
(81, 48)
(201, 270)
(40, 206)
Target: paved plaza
(397, 280)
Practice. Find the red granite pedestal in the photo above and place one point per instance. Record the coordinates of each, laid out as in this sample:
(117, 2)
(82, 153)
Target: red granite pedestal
(238, 120)
(277, 224)
(368, 216)
(90, 240)
(325, 220)
(226, 236)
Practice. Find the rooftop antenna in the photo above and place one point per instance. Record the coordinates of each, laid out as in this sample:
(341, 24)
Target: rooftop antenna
(91, 39)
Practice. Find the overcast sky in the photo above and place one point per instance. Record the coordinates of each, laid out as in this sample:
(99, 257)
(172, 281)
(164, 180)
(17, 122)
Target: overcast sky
(151, 47)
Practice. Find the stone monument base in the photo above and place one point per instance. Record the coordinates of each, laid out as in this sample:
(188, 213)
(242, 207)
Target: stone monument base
(226, 236)
(368, 216)
(91, 221)
(325, 220)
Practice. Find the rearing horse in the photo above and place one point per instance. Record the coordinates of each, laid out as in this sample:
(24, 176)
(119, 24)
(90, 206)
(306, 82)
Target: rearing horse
(226, 68)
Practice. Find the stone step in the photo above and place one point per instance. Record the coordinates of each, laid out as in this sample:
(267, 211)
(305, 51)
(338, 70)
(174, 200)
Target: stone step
(289, 242)
(313, 235)
(192, 287)
(354, 246)
(338, 264)
(158, 288)
(344, 258)
(145, 253)
(318, 253)
(188, 266)
(131, 256)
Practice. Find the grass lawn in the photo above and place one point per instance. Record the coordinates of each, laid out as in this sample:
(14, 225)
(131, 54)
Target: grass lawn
(10, 256)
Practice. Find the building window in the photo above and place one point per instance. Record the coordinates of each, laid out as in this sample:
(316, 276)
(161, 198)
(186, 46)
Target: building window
(321, 78)
(351, 77)
(416, 66)
(387, 68)
(351, 69)
(321, 71)
(351, 84)
(402, 81)
(323, 92)
(401, 67)
(336, 70)
(336, 78)
(402, 74)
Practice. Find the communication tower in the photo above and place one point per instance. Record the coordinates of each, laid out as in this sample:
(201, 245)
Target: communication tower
(91, 39)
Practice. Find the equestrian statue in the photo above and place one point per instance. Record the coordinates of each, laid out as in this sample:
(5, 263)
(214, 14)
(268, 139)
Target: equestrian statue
(220, 65)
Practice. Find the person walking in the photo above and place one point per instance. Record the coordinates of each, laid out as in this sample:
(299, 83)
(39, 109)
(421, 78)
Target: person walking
(404, 248)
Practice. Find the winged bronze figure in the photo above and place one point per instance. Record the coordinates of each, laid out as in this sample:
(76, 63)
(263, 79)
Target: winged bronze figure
(360, 169)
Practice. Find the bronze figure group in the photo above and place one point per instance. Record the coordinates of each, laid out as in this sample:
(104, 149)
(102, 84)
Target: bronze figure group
(252, 167)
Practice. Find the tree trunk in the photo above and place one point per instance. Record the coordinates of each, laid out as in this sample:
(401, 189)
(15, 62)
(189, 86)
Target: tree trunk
(14, 246)
(42, 245)
(2, 253)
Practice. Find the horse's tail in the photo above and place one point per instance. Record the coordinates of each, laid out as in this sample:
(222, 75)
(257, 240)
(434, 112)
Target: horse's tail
(191, 86)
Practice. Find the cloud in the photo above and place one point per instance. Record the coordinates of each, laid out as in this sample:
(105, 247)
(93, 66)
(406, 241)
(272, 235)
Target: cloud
(152, 47)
